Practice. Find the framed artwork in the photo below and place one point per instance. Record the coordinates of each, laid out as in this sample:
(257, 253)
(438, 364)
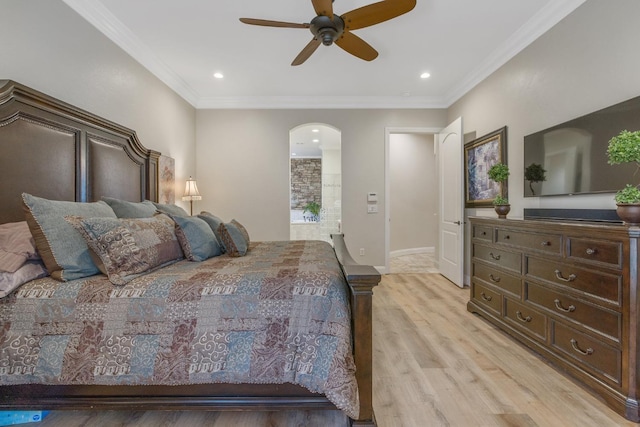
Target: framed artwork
(479, 155)
(167, 180)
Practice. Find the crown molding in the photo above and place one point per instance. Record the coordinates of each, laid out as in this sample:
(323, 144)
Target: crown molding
(101, 18)
(539, 24)
(319, 102)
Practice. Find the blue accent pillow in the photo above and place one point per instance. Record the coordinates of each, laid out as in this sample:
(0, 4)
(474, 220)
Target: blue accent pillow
(62, 248)
(174, 210)
(214, 222)
(196, 238)
(125, 209)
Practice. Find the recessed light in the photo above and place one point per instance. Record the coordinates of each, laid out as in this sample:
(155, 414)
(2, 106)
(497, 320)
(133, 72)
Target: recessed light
(218, 75)
(315, 130)
(293, 154)
(316, 140)
(425, 75)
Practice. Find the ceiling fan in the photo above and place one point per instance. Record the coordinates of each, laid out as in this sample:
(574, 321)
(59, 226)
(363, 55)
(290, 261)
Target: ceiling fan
(328, 28)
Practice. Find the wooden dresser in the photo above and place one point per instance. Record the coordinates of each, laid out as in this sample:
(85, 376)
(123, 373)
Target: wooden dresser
(569, 291)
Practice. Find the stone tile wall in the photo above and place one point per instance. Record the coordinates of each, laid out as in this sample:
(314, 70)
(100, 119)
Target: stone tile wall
(306, 182)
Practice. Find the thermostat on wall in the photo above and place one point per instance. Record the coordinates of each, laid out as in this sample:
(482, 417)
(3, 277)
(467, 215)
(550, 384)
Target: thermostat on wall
(372, 197)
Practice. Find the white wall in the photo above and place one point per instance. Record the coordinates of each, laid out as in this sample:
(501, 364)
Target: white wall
(242, 166)
(47, 46)
(413, 187)
(588, 61)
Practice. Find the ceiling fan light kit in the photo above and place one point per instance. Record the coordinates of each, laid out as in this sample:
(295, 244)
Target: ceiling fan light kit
(329, 28)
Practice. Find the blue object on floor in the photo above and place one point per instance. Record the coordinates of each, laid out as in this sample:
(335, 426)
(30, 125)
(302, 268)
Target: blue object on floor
(9, 418)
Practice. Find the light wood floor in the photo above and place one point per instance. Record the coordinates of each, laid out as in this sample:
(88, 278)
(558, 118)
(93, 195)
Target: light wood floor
(435, 364)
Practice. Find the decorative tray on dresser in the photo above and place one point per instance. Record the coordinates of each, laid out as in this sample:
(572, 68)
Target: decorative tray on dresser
(569, 291)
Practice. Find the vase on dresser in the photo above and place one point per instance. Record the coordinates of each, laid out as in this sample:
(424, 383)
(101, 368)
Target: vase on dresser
(502, 210)
(629, 213)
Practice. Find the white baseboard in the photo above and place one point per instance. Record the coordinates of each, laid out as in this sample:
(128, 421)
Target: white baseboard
(412, 251)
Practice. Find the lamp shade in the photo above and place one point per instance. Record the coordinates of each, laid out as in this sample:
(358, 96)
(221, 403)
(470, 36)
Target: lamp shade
(191, 191)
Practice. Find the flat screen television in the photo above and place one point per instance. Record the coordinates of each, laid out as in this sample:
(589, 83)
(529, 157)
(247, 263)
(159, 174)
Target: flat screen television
(574, 154)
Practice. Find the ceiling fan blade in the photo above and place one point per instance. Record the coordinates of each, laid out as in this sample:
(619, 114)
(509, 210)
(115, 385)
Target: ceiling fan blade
(307, 51)
(323, 7)
(376, 12)
(356, 46)
(267, 23)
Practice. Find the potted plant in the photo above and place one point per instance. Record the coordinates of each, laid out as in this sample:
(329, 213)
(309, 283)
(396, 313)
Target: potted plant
(534, 173)
(314, 209)
(499, 173)
(625, 148)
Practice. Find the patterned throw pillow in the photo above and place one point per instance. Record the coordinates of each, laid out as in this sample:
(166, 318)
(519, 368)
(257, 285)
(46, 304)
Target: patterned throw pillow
(234, 239)
(64, 252)
(128, 248)
(196, 238)
(125, 209)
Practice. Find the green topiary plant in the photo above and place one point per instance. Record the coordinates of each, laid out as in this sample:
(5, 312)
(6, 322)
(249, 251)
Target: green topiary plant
(625, 148)
(628, 195)
(534, 173)
(499, 173)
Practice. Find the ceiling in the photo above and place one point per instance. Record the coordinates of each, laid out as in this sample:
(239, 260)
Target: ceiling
(459, 42)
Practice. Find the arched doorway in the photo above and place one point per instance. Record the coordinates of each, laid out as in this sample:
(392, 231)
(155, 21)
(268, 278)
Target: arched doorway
(315, 178)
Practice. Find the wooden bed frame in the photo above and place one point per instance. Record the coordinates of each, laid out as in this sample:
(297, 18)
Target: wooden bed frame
(54, 150)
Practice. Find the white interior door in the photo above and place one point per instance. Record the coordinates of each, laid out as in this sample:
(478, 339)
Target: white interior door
(451, 224)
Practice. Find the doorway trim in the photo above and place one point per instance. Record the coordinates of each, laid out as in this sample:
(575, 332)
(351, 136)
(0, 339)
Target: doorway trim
(388, 131)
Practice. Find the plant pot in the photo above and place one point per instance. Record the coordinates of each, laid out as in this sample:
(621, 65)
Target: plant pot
(629, 213)
(502, 210)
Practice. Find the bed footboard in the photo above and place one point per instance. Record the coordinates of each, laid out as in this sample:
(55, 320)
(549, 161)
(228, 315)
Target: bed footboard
(361, 280)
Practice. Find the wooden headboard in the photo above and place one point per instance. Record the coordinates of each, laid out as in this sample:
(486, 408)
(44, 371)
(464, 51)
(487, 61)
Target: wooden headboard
(51, 149)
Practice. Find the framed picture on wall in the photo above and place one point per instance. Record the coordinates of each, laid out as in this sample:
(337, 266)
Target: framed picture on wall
(479, 155)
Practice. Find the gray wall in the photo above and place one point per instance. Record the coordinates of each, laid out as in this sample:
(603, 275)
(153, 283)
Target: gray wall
(586, 62)
(413, 192)
(243, 163)
(50, 48)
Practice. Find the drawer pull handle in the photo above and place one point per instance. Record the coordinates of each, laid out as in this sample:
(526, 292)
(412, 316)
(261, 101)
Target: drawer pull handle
(559, 276)
(561, 308)
(496, 257)
(484, 233)
(546, 243)
(507, 237)
(485, 296)
(587, 352)
(493, 278)
(523, 319)
(591, 251)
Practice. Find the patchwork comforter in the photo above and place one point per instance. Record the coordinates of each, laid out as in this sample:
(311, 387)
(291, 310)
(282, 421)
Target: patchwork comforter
(278, 315)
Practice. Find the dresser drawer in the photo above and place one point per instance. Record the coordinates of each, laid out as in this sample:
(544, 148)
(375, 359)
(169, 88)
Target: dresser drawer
(499, 257)
(596, 357)
(526, 318)
(505, 281)
(545, 242)
(595, 251)
(487, 298)
(483, 232)
(603, 321)
(599, 284)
